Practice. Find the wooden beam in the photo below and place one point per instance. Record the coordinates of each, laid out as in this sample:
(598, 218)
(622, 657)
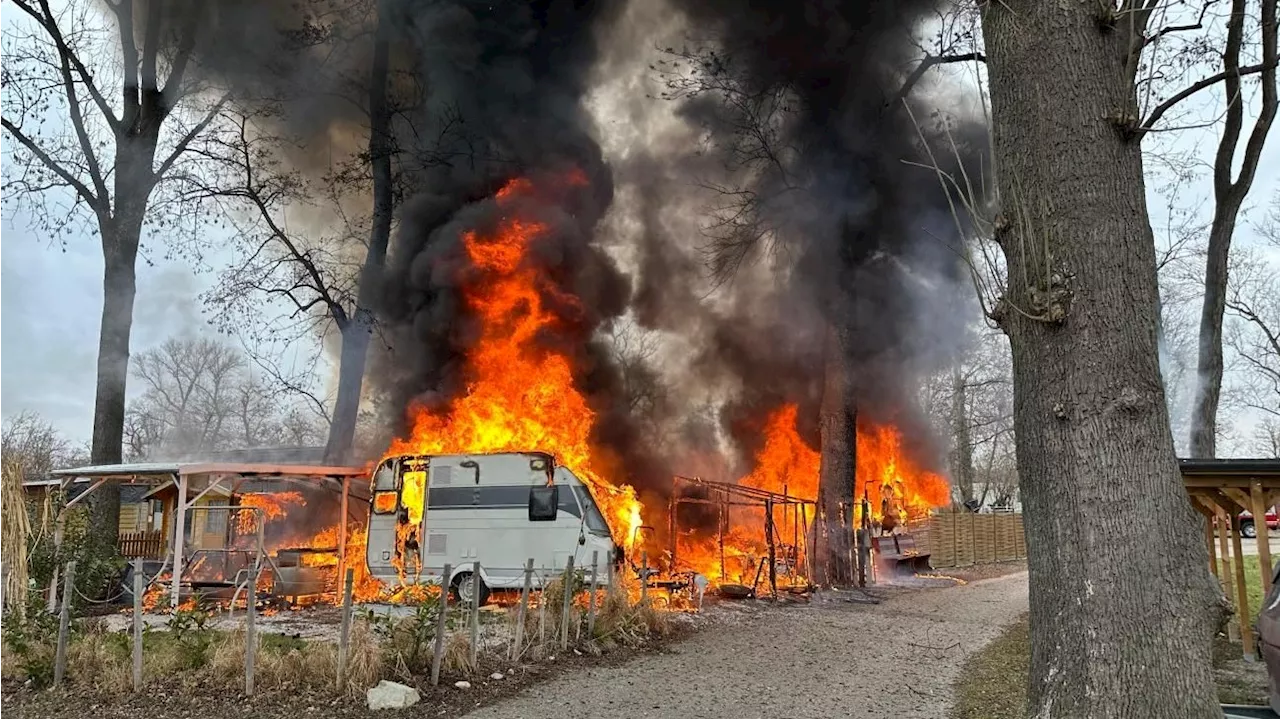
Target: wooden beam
(1228, 504)
(1242, 593)
(1239, 496)
(1224, 528)
(1264, 542)
(1208, 538)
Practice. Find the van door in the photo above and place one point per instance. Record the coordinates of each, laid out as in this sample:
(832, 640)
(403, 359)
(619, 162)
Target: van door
(383, 507)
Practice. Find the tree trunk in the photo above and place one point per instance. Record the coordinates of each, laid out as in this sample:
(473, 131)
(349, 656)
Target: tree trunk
(838, 466)
(119, 253)
(1121, 597)
(346, 410)
(1204, 416)
(357, 334)
(961, 441)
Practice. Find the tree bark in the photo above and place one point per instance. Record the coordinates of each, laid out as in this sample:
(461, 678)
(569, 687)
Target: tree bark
(961, 441)
(1122, 602)
(357, 334)
(838, 464)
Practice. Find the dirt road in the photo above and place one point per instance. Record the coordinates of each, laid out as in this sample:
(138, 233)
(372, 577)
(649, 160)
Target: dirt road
(896, 659)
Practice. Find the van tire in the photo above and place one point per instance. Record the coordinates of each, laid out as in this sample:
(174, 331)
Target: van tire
(464, 579)
(1247, 529)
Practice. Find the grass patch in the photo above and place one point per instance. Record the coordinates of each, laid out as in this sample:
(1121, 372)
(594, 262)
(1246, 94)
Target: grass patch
(993, 681)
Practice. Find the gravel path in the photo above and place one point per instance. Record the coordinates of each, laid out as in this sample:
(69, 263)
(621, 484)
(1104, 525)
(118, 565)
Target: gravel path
(896, 659)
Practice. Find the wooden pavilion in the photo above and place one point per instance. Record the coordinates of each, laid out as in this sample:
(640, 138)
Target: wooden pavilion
(1221, 489)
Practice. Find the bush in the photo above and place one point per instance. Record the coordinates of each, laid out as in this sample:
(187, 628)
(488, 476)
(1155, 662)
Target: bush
(31, 642)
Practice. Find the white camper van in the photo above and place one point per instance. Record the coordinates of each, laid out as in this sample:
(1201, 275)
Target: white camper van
(495, 509)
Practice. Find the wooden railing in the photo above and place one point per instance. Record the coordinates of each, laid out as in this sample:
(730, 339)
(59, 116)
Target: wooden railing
(148, 545)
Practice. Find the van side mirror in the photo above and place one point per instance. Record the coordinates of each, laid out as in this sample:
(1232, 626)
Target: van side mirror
(544, 502)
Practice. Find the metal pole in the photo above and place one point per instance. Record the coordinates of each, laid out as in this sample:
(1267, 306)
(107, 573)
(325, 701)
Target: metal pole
(773, 554)
(250, 630)
(518, 645)
(137, 624)
(441, 623)
(344, 637)
(644, 577)
(475, 612)
(567, 602)
(64, 625)
(591, 612)
(179, 539)
(720, 522)
(342, 523)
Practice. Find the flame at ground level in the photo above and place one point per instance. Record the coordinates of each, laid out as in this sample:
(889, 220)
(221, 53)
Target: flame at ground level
(785, 464)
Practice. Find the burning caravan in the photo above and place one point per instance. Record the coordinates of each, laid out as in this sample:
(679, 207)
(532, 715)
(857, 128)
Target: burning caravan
(497, 510)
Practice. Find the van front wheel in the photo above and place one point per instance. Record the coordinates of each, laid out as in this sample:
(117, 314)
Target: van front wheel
(463, 586)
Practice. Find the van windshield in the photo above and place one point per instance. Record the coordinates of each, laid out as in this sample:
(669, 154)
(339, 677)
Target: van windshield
(594, 520)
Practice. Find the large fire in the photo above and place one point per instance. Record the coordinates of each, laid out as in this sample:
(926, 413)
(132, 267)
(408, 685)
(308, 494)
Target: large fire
(520, 396)
(786, 465)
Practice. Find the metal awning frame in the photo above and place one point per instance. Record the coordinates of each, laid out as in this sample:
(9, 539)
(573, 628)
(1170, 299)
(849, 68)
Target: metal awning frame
(181, 474)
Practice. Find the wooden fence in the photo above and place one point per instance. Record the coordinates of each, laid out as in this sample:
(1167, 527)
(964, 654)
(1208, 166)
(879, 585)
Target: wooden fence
(148, 545)
(961, 539)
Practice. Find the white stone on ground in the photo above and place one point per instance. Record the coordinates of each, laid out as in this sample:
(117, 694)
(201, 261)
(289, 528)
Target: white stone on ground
(391, 695)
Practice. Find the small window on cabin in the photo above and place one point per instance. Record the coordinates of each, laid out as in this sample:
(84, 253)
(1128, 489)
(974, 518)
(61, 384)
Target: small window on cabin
(216, 520)
(385, 502)
(538, 464)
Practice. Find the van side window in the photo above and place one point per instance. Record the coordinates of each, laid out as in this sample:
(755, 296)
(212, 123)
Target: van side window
(510, 497)
(385, 477)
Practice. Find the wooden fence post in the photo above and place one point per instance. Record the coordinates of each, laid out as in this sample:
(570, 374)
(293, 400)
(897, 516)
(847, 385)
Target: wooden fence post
(344, 636)
(518, 645)
(137, 624)
(475, 613)
(4, 586)
(250, 630)
(64, 624)
(567, 604)
(441, 624)
(591, 612)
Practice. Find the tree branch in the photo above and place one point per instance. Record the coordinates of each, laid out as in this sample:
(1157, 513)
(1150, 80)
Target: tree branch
(185, 142)
(1164, 107)
(926, 64)
(92, 200)
(45, 20)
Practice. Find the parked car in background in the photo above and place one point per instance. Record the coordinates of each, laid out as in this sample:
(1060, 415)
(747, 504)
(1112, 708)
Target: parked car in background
(1249, 529)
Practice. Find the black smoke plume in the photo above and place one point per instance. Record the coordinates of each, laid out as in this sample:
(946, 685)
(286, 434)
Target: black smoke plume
(803, 105)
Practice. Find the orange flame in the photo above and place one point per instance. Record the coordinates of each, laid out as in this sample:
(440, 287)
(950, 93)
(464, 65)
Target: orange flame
(272, 506)
(520, 396)
(786, 465)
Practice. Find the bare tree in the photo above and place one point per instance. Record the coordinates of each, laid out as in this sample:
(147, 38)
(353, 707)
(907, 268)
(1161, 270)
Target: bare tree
(1230, 188)
(1253, 335)
(105, 149)
(200, 396)
(36, 446)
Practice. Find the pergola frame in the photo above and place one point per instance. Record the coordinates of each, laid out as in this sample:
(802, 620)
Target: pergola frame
(1220, 489)
(206, 476)
(725, 495)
